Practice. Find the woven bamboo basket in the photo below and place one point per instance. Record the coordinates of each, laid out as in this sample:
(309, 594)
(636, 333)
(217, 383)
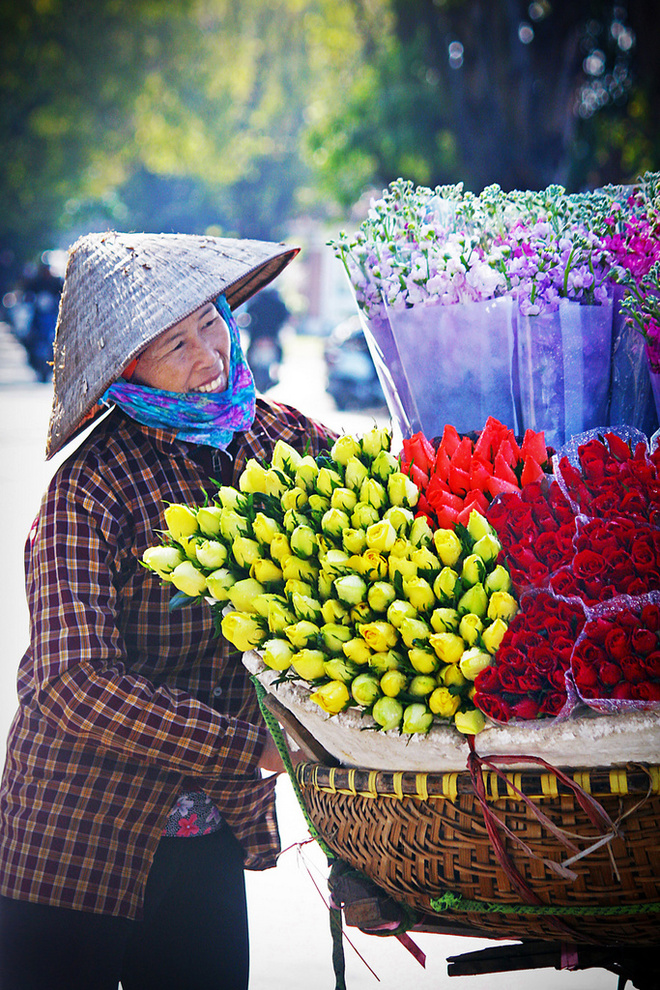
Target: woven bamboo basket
(423, 839)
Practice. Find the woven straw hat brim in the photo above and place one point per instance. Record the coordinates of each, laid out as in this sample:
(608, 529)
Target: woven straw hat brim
(121, 291)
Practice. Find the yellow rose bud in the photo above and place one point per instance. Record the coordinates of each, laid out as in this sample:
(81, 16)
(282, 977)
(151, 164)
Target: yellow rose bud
(362, 612)
(334, 522)
(381, 536)
(499, 579)
(379, 636)
(253, 477)
(402, 490)
(219, 582)
(383, 465)
(401, 565)
(473, 570)
(189, 546)
(265, 528)
(425, 560)
(448, 646)
(451, 676)
(374, 441)
(344, 448)
(242, 630)
(423, 661)
(242, 593)
(380, 596)
(187, 578)
(232, 524)
(301, 587)
(445, 620)
(344, 499)
(470, 627)
(307, 473)
(279, 616)
(293, 568)
(443, 703)
(181, 521)
(280, 547)
(261, 603)
(309, 664)
(469, 723)
(335, 635)
(306, 607)
(400, 610)
(355, 474)
(446, 585)
(302, 633)
(365, 689)
(493, 635)
(351, 589)
(356, 650)
(231, 498)
(208, 520)
(293, 518)
(332, 697)
(374, 565)
(419, 593)
(373, 493)
(364, 515)
(318, 504)
(246, 551)
(422, 685)
(276, 482)
(478, 526)
(401, 518)
(336, 562)
(448, 546)
(338, 668)
(414, 632)
(293, 498)
(488, 548)
(388, 713)
(327, 480)
(277, 654)
(304, 542)
(421, 534)
(354, 540)
(324, 585)
(333, 610)
(474, 600)
(162, 560)
(502, 605)
(285, 457)
(473, 662)
(266, 571)
(417, 718)
(393, 682)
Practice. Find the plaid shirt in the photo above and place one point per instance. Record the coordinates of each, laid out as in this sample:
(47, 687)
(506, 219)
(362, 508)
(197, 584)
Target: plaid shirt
(122, 704)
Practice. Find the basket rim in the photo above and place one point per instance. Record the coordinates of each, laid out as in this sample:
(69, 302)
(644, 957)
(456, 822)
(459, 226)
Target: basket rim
(621, 780)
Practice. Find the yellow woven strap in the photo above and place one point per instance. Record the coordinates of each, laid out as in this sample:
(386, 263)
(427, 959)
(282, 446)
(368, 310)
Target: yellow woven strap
(583, 779)
(618, 781)
(422, 789)
(450, 786)
(654, 774)
(397, 784)
(549, 785)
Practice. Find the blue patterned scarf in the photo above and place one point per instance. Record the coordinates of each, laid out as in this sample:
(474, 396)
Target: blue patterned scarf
(197, 418)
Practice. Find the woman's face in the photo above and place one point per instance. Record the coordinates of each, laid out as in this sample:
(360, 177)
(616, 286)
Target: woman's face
(192, 356)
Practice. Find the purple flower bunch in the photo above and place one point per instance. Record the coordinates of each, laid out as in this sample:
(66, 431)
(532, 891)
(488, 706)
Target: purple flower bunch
(420, 245)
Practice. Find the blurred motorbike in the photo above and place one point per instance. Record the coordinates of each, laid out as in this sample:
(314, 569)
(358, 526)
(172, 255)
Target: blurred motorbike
(352, 380)
(267, 314)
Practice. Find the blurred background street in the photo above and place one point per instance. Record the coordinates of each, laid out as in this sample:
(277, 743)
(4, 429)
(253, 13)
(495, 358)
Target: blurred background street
(291, 944)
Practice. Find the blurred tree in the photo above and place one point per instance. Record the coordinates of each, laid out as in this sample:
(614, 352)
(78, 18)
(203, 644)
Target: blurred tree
(519, 93)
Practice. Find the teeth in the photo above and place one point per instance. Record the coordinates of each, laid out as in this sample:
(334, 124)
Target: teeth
(216, 383)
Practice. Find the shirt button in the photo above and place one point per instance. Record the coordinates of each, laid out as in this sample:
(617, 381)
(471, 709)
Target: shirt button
(217, 691)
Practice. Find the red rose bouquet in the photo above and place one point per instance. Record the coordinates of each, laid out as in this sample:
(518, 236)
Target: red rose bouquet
(616, 661)
(527, 678)
(616, 556)
(536, 528)
(611, 475)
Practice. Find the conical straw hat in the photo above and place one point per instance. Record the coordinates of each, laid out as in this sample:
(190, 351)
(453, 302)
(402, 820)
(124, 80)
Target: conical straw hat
(122, 290)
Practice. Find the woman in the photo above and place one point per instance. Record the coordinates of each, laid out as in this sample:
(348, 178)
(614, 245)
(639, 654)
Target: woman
(132, 794)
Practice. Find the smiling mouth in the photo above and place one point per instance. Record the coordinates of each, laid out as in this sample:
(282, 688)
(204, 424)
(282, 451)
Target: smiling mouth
(212, 386)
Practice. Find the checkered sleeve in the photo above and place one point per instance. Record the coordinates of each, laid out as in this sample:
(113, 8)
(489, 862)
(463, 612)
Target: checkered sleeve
(80, 679)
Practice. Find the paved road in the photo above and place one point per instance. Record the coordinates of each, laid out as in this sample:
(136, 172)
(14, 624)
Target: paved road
(289, 922)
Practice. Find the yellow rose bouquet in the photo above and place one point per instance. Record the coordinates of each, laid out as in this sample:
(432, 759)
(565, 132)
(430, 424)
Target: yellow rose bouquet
(322, 566)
